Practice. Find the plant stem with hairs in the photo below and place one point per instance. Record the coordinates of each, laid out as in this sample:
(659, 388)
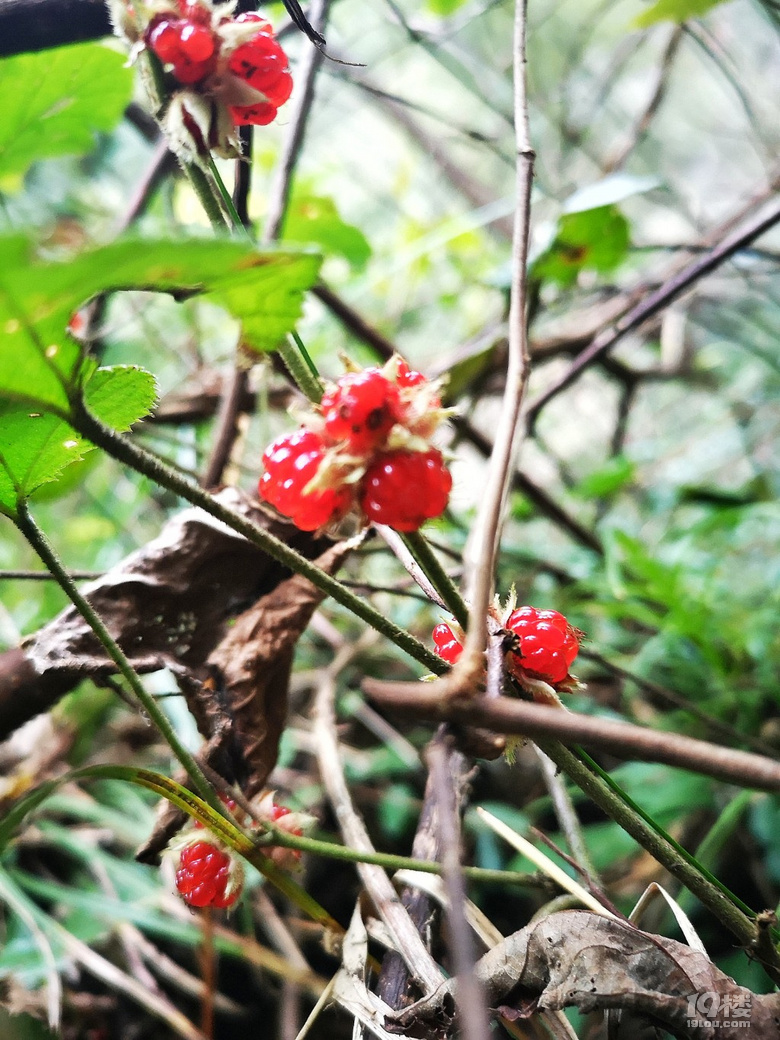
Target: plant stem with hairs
(37, 539)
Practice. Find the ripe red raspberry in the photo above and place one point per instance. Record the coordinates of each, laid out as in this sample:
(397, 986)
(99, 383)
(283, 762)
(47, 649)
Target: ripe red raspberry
(405, 376)
(207, 876)
(361, 409)
(447, 644)
(262, 63)
(403, 489)
(548, 643)
(291, 463)
(260, 114)
(189, 47)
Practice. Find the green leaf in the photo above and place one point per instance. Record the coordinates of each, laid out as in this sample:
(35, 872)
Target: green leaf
(594, 239)
(55, 101)
(121, 395)
(444, 8)
(607, 479)
(40, 364)
(674, 11)
(35, 447)
(315, 219)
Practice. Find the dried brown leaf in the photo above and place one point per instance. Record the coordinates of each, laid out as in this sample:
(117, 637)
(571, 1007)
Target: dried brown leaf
(576, 958)
(253, 664)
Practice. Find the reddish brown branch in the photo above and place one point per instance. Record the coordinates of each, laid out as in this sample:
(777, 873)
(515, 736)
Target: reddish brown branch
(623, 739)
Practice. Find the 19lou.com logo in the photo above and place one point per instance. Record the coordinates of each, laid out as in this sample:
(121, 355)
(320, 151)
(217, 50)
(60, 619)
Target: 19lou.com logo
(731, 1010)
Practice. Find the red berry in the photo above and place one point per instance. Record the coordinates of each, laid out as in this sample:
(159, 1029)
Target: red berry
(197, 43)
(262, 63)
(361, 409)
(189, 47)
(260, 114)
(291, 463)
(447, 645)
(407, 377)
(548, 643)
(278, 811)
(403, 489)
(206, 876)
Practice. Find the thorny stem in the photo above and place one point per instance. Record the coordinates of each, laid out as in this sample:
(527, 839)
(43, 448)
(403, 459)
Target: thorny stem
(481, 552)
(39, 542)
(126, 451)
(438, 577)
(662, 849)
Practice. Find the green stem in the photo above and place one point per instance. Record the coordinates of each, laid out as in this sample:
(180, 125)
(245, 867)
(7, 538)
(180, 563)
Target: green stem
(49, 557)
(687, 856)
(126, 451)
(227, 199)
(390, 861)
(306, 357)
(205, 192)
(660, 847)
(308, 383)
(431, 566)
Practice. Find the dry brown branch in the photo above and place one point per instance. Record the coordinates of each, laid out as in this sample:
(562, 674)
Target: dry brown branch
(468, 991)
(418, 960)
(623, 739)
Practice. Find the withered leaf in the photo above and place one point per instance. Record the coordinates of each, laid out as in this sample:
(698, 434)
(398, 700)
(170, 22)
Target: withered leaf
(167, 604)
(576, 958)
(253, 664)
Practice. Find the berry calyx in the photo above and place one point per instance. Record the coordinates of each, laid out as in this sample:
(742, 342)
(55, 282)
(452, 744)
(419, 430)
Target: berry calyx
(361, 409)
(208, 876)
(292, 463)
(547, 644)
(403, 489)
(446, 644)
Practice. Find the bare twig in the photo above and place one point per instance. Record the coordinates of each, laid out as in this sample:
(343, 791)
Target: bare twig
(481, 549)
(655, 302)
(523, 718)
(307, 71)
(567, 815)
(418, 960)
(616, 160)
(397, 546)
(468, 992)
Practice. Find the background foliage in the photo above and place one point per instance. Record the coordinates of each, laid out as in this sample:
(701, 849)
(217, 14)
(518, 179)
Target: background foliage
(653, 126)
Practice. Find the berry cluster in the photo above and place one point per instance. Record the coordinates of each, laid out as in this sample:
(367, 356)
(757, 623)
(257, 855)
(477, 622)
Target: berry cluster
(205, 48)
(366, 452)
(207, 873)
(545, 648)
